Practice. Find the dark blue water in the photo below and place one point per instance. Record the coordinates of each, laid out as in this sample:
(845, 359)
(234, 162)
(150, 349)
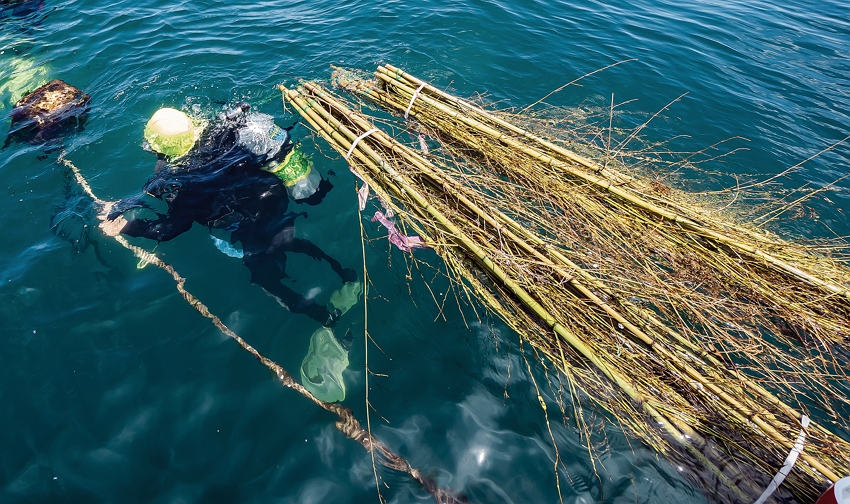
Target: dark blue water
(113, 389)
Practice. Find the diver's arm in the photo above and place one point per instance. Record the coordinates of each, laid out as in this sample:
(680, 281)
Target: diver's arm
(163, 228)
(267, 272)
(309, 248)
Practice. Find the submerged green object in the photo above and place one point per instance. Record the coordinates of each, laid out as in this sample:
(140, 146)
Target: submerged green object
(294, 168)
(346, 296)
(321, 369)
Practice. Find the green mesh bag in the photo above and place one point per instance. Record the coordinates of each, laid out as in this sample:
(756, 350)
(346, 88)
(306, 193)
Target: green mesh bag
(322, 367)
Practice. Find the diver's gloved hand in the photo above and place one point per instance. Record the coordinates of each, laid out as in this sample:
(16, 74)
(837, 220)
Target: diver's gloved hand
(111, 225)
(237, 111)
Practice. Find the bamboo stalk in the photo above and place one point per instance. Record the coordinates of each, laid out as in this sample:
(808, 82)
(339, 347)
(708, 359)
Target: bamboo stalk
(606, 185)
(792, 414)
(684, 360)
(741, 412)
(568, 336)
(462, 104)
(616, 176)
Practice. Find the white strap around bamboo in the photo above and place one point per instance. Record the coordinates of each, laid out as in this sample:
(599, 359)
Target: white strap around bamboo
(412, 98)
(789, 463)
(357, 140)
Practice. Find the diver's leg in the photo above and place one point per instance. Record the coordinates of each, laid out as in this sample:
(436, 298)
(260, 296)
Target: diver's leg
(296, 303)
(309, 248)
(268, 271)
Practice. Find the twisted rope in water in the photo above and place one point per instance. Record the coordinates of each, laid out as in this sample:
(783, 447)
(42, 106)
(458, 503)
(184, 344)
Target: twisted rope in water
(345, 423)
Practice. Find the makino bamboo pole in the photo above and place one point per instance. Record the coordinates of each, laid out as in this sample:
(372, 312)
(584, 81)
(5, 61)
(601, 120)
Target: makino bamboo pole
(734, 407)
(648, 317)
(605, 184)
(793, 415)
(558, 150)
(672, 426)
(463, 104)
(641, 313)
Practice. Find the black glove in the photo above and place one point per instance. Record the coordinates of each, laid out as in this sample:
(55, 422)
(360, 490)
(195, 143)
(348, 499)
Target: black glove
(237, 111)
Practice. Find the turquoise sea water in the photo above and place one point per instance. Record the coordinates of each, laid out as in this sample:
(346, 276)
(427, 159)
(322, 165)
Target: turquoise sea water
(113, 389)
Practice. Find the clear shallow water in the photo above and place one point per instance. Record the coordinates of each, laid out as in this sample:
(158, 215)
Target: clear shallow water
(114, 390)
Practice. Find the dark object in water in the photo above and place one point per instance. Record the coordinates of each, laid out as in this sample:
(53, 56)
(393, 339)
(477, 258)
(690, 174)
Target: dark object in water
(48, 112)
(19, 8)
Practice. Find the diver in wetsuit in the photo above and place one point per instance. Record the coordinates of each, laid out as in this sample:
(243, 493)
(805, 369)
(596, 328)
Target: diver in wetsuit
(238, 178)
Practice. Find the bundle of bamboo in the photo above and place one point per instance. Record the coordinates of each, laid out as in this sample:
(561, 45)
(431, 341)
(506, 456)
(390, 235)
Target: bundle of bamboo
(656, 308)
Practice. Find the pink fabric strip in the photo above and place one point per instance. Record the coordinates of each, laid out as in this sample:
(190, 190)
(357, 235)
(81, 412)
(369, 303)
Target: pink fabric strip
(403, 242)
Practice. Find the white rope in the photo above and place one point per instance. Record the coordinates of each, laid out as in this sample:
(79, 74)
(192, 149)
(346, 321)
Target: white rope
(789, 463)
(412, 98)
(356, 140)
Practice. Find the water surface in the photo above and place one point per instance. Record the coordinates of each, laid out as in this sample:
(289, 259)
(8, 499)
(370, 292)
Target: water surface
(113, 389)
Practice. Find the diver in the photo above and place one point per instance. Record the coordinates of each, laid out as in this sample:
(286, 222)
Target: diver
(238, 176)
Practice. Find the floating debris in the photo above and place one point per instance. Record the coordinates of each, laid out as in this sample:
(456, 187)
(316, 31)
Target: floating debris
(48, 113)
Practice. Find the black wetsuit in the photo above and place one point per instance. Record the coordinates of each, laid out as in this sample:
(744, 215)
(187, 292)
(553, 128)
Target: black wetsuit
(220, 185)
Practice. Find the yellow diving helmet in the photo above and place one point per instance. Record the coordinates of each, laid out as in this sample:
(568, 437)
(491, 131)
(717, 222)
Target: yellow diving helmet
(171, 132)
